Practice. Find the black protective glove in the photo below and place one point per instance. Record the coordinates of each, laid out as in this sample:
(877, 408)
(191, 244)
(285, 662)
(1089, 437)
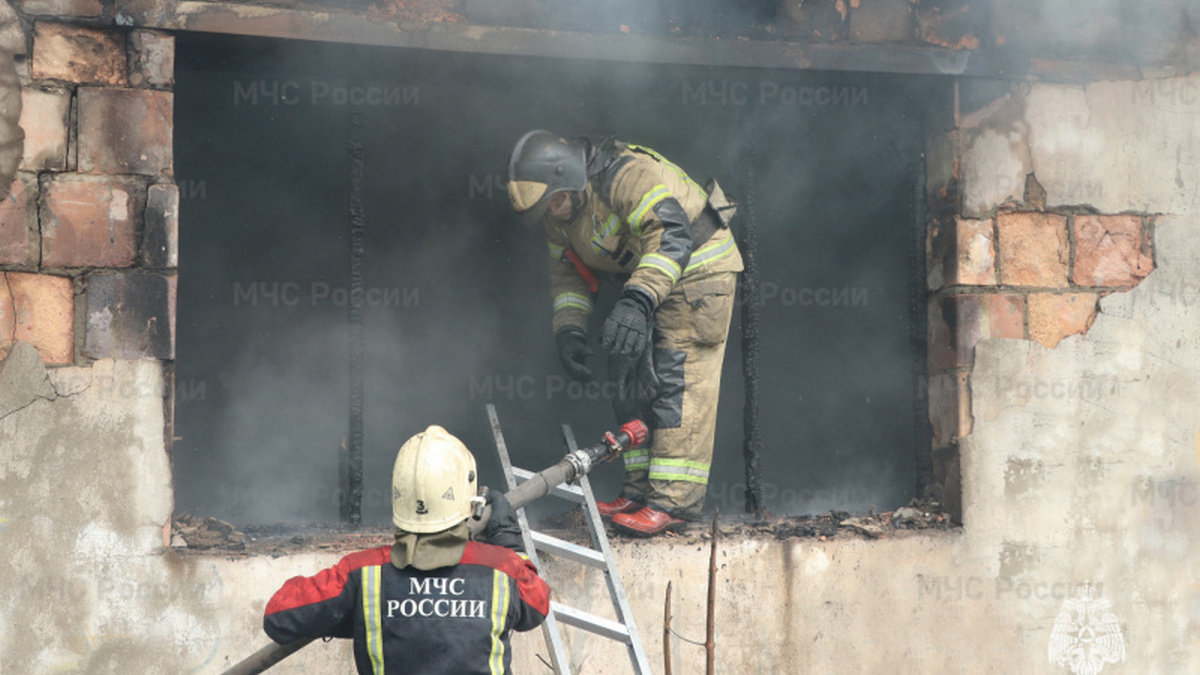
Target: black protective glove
(573, 351)
(502, 528)
(636, 385)
(627, 329)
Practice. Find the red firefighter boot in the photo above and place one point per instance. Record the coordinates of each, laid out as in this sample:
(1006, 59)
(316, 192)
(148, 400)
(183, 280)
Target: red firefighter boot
(618, 505)
(647, 521)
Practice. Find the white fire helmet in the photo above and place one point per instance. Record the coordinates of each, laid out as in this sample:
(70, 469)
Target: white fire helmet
(433, 482)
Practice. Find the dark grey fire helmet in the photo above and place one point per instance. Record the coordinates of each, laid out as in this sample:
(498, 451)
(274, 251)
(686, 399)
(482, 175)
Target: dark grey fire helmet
(541, 165)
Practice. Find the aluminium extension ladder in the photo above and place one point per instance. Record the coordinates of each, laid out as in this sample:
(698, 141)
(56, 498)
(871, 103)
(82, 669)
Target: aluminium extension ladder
(601, 557)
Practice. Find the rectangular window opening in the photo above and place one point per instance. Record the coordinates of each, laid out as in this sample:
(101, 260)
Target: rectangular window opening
(455, 313)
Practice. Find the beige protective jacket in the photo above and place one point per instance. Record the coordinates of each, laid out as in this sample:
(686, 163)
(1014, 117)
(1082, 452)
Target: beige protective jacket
(635, 227)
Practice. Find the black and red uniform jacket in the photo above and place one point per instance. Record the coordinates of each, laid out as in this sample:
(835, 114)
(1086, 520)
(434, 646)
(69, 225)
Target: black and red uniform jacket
(453, 620)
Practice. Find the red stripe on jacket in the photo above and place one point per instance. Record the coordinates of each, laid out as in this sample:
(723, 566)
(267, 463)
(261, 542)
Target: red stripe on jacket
(326, 584)
(532, 588)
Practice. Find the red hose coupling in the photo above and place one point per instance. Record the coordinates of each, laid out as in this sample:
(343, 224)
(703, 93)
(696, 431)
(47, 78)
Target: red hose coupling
(637, 431)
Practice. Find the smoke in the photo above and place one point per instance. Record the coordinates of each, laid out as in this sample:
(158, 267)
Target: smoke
(1115, 31)
(457, 311)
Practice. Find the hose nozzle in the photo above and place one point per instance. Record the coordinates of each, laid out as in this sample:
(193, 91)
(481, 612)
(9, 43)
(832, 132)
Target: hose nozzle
(631, 434)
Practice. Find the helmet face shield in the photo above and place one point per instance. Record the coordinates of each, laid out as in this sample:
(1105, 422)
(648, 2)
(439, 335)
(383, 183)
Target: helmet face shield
(529, 199)
(541, 165)
(527, 194)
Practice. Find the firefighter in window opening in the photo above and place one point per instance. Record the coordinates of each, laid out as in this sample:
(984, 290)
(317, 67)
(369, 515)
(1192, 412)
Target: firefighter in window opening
(625, 213)
(435, 601)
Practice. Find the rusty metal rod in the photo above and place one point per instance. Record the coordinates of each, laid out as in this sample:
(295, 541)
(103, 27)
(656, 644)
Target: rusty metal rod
(751, 302)
(710, 629)
(667, 632)
(352, 504)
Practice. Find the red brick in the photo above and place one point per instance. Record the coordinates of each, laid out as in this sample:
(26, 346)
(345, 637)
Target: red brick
(975, 262)
(949, 407)
(1054, 316)
(90, 221)
(124, 131)
(1111, 251)
(940, 343)
(38, 309)
(78, 54)
(939, 254)
(151, 59)
(952, 23)
(1034, 249)
(172, 305)
(130, 315)
(18, 222)
(987, 316)
(12, 136)
(44, 117)
(958, 322)
(160, 239)
(76, 8)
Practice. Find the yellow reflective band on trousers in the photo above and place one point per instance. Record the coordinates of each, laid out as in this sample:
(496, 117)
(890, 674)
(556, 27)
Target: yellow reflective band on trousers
(679, 469)
(572, 299)
(372, 589)
(714, 251)
(654, 196)
(500, 600)
(637, 460)
(661, 262)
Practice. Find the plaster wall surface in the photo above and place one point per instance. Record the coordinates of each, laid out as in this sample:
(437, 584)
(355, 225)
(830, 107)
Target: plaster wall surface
(1114, 146)
(1101, 485)
(1080, 507)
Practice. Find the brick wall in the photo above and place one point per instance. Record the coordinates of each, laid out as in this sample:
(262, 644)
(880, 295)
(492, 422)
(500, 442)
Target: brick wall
(88, 234)
(1022, 272)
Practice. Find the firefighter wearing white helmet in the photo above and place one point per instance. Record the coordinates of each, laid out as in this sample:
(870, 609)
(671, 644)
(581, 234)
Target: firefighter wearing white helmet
(433, 482)
(435, 601)
(621, 212)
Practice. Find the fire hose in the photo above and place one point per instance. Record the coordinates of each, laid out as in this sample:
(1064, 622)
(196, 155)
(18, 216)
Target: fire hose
(571, 467)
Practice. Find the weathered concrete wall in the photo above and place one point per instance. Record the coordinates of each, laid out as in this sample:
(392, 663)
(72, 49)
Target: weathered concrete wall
(1103, 487)
(86, 491)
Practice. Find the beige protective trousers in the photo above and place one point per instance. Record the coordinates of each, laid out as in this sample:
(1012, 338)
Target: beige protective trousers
(672, 474)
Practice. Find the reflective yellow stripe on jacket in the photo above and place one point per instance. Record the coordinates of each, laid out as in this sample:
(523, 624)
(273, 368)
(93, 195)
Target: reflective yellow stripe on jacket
(602, 230)
(500, 600)
(372, 591)
(572, 299)
(654, 196)
(711, 252)
(663, 264)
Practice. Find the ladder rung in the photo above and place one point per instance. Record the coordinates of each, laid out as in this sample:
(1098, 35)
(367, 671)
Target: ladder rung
(566, 549)
(600, 557)
(590, 622)
(564, 491)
